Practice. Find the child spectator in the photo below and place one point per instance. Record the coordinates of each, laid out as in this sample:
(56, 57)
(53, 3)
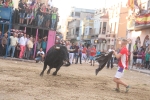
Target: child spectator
(30, 17)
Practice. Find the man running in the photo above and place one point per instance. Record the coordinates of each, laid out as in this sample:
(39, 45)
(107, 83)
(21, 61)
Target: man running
(122, 65)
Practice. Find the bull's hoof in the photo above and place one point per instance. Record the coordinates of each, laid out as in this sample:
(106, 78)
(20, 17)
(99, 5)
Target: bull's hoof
(41, 74)
(48, 72)
(54, 73)
(96, 72)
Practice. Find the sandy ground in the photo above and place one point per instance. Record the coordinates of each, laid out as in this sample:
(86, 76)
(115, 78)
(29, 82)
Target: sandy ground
(21, 81)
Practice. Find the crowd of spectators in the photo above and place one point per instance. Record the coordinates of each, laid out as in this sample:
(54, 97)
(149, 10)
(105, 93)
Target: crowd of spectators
(34, 12)
(43, 14)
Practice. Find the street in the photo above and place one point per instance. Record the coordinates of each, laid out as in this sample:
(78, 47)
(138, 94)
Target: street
(21, 81)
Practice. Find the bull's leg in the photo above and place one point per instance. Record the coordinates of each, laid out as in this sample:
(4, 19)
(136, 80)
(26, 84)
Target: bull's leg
(55, 73)
(48, 72)
(44, 68)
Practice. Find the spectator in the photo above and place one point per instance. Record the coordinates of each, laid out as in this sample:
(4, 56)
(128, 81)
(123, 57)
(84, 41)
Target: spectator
(147, 58)
(22, 43)
(84, 53)
(40, 14)
(54, 15)
(79, 54)
(88, 54)
(134, 57)
(71, 53)
(30, 17)
(44, 44)
(11, 3)
(13, 44)
(76, 51)
(139, 59)
(39, 43)
(4, 44)
(98, 52)
(29, 47)
(40, 56)
(22, 8)
(92, 54)
(112, 59)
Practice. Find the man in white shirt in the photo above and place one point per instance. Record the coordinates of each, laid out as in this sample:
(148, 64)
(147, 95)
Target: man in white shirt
(22, 43)
(13, 44)
(40, 56)
(111, 60)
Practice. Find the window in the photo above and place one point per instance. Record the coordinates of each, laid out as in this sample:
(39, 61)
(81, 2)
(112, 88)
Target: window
(100, 28)
(77, 14)
(104, 28)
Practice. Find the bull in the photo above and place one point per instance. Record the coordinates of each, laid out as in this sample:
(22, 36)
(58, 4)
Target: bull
(56, 57)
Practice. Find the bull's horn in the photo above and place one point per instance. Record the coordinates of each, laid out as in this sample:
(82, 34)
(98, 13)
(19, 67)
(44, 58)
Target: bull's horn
(57, 47)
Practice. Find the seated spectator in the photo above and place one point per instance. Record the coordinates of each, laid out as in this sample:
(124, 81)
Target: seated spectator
(30, 17)
(40, 56)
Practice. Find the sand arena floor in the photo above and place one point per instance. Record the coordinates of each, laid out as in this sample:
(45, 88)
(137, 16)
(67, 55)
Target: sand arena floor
(21, 81)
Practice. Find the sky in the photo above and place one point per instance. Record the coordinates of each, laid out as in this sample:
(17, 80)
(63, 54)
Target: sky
(64, 6)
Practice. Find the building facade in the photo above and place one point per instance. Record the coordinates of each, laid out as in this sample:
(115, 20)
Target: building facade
(117, 25)
(75, 26)
(139, 25)
(100, 29)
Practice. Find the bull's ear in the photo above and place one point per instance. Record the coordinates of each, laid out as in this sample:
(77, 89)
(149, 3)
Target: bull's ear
(57, 47)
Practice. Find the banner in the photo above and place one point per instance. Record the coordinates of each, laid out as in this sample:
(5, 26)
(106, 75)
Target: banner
(143, 19)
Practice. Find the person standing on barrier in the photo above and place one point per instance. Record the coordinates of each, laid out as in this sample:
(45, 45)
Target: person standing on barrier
(13, 44)
(53, 18)
(21, 8)
(22, 43)
(4, 44)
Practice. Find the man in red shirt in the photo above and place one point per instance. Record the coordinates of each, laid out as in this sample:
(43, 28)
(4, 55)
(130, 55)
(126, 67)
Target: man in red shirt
(92, 54)
(122, 65)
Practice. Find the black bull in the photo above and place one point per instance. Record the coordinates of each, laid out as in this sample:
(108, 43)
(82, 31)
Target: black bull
(55, 58)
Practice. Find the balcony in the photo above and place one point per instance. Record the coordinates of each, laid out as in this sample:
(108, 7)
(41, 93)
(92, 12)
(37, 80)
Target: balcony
(74, 23)
(89, 23)
(139, 22)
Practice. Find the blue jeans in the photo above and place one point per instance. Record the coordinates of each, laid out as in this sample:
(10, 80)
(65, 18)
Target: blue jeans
(13, 50)
(40, 20)
(53, 23)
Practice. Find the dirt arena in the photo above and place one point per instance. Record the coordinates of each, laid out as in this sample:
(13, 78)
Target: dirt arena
(21, 81)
